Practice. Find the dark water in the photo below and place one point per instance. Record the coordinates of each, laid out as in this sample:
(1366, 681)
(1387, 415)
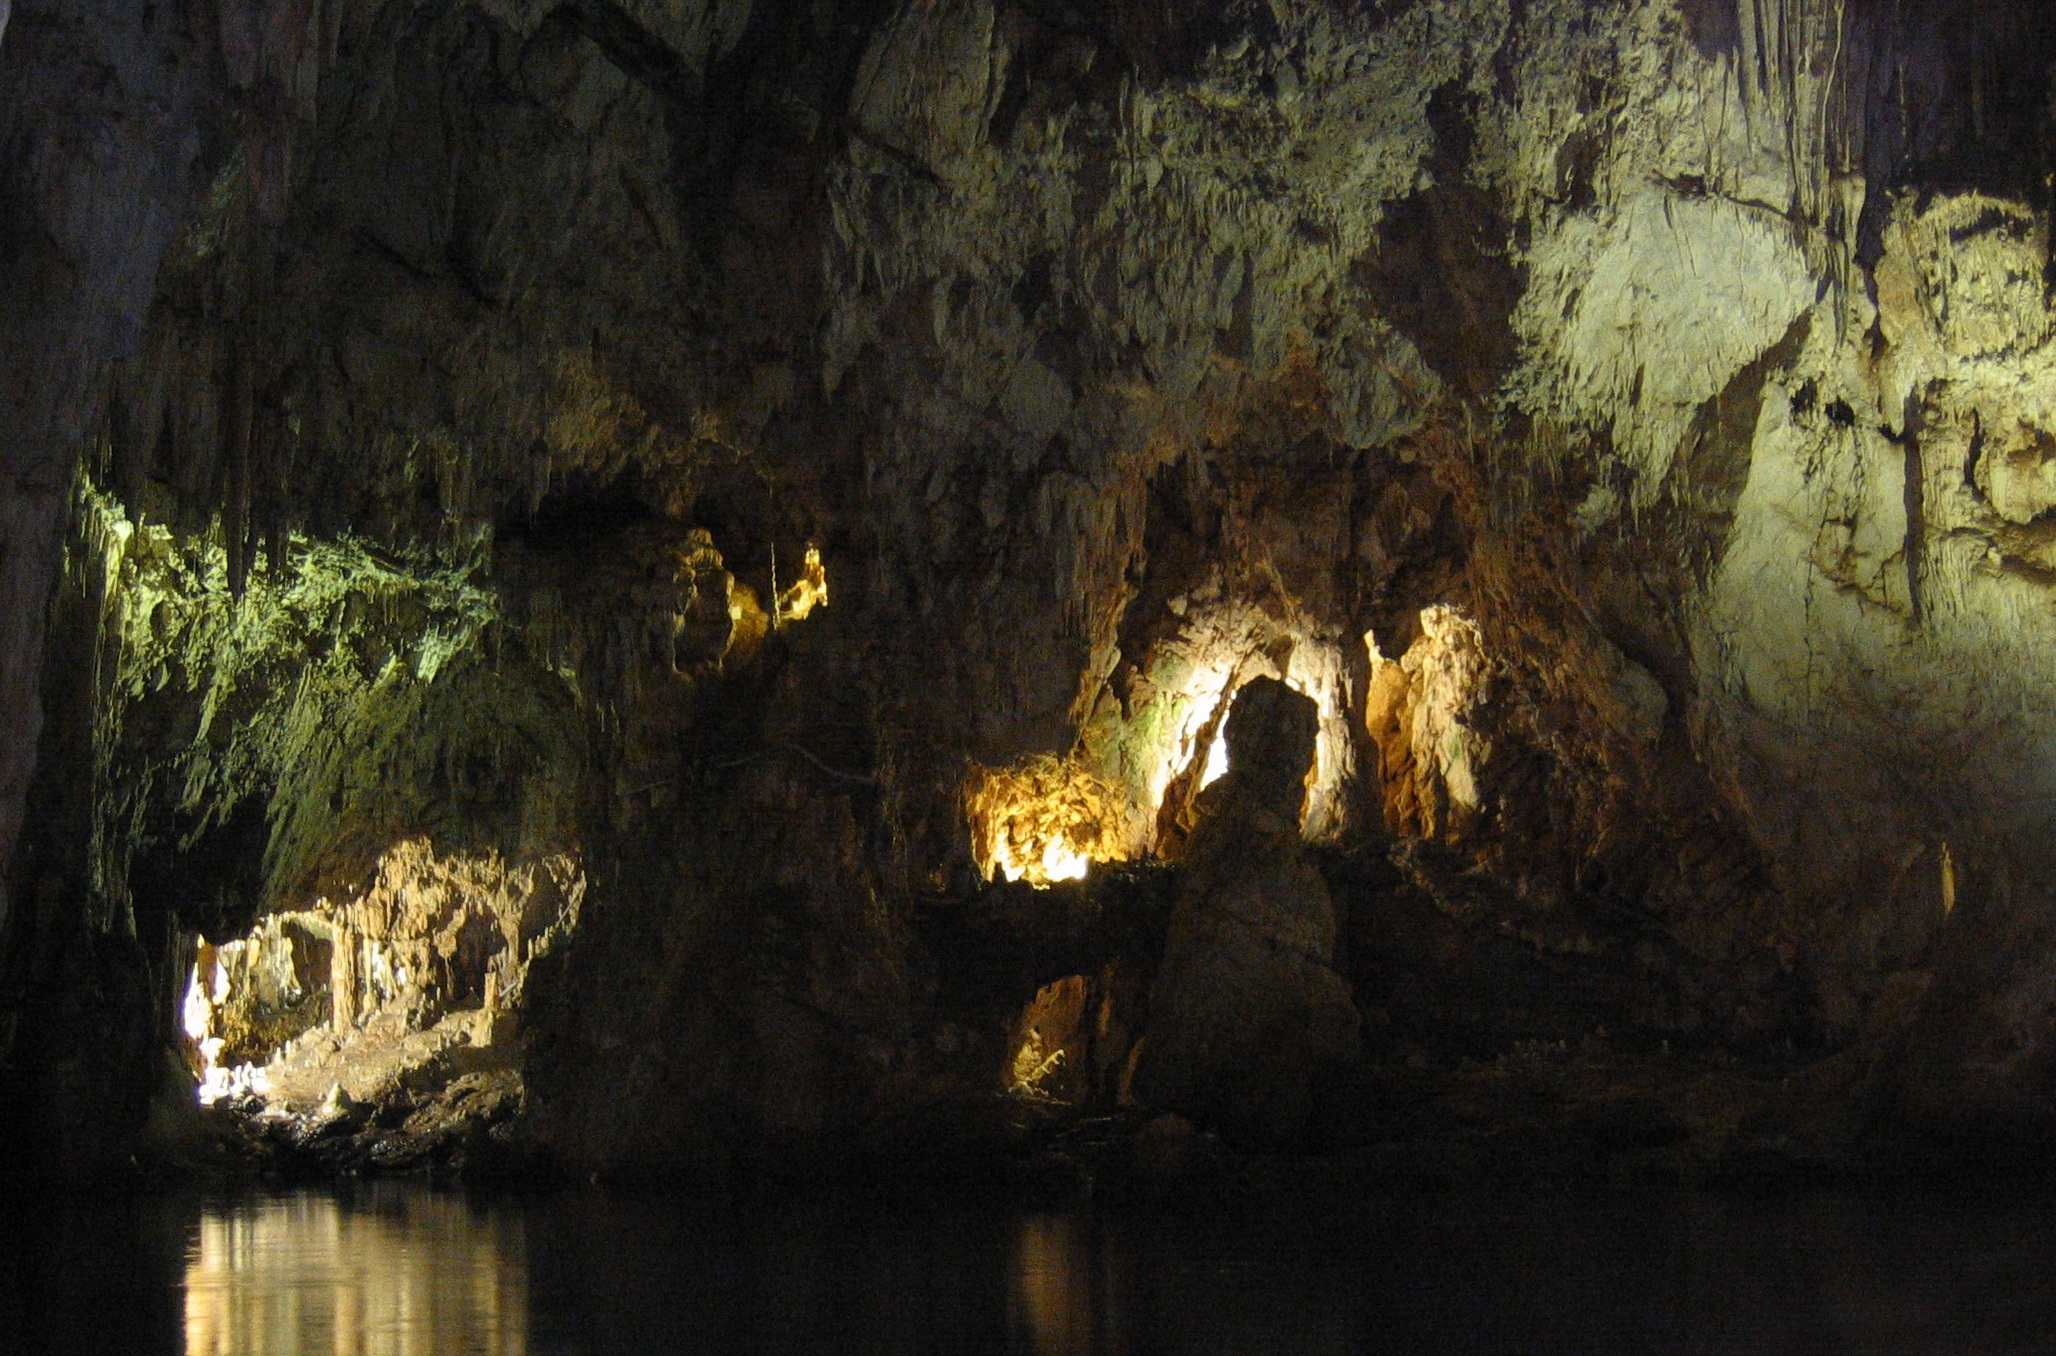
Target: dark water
(394, 1269)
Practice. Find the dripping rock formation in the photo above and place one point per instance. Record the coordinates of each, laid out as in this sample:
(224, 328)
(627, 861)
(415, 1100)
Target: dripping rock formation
(660, 588)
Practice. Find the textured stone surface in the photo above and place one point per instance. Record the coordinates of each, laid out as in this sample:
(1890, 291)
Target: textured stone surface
(1663, 386)
(1247, 1015)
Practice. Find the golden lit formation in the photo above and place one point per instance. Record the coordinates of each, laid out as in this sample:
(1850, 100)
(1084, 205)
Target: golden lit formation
(431, 957)
(808, 592)
(1047, 819)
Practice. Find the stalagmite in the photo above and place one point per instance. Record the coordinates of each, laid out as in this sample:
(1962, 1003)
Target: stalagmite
(1247, 1014)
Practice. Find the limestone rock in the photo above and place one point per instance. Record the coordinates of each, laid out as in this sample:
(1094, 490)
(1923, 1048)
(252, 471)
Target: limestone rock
(1247, 1014)
(1675, 393)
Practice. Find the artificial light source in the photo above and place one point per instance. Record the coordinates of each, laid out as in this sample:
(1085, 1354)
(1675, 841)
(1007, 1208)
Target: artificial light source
(1060, 861)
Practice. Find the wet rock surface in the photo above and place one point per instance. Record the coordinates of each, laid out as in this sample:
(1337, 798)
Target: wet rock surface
(454, 1129)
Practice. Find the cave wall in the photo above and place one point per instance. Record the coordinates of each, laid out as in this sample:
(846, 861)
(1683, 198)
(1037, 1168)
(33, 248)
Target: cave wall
(1691, 351)
(108, 118)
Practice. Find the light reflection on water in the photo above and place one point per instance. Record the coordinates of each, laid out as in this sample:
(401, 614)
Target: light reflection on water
(1059, 1292)
(416, 1274)
(395, 1268)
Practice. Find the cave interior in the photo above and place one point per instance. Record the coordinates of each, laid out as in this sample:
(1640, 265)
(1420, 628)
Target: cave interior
(732, 588)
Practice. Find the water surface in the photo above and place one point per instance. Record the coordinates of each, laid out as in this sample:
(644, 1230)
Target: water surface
(396, 1269)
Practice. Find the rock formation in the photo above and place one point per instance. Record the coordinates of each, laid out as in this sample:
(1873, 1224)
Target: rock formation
(1247, 1014)
(798, 461)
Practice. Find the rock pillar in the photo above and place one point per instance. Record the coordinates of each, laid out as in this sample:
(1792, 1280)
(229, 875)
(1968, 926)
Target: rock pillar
(1247, 1015)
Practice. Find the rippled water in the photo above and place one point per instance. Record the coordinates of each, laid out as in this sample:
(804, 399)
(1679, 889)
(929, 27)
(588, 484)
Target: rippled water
(394, 1269)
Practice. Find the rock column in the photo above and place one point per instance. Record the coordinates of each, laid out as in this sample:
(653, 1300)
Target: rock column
(1247, 1015)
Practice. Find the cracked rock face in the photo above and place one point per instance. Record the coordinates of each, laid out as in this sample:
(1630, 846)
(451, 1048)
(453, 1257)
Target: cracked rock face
(1630, 426)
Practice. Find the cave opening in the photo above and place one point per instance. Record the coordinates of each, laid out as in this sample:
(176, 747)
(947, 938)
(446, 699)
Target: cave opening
(375, 1024)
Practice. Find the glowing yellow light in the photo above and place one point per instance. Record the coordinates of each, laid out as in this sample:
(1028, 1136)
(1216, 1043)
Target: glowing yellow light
(1061, 861)
(808, 592)
(1034, 1064)
(1058, 860)
(1045, 820)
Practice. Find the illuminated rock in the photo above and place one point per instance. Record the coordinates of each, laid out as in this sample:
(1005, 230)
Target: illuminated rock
(1667, 384)
(1046, 820)
(376, 1001)
(1247, 1014)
